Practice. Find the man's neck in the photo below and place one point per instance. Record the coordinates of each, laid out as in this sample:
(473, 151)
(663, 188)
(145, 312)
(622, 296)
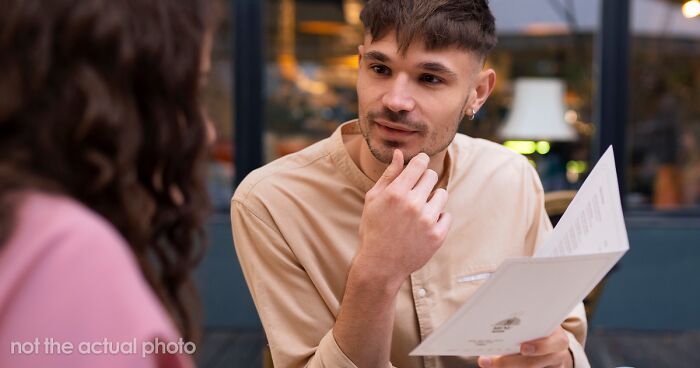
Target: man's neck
(364, 159)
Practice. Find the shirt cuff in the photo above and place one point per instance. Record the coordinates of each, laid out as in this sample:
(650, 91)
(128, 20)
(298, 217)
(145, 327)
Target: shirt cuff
(329, 353)
(577, 352)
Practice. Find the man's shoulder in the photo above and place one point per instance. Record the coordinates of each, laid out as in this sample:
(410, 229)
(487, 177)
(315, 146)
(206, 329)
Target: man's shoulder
(285, 172)
(486, 151)
(492, 176)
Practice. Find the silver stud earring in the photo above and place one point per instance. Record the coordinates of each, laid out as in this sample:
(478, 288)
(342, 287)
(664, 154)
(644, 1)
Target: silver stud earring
(471, 117)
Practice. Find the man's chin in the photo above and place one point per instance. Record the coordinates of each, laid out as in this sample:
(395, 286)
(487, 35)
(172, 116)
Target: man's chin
(385, 152)
(383, 155)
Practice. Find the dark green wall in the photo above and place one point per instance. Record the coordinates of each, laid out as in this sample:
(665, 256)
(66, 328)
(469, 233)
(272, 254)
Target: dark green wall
(657, 283)
(227, 302)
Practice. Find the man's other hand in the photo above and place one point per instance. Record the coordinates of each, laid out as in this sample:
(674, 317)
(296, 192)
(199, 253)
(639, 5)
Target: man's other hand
(550, 351)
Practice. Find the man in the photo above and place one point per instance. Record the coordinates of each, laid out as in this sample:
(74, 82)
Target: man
(358, 247)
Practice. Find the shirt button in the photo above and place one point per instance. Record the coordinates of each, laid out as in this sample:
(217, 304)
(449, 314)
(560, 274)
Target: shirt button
(421, 292)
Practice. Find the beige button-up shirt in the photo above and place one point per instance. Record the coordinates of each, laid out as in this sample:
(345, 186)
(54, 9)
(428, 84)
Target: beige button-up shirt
(295, 227)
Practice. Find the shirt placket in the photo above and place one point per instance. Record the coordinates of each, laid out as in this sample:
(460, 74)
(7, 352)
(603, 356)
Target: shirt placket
(423, 301)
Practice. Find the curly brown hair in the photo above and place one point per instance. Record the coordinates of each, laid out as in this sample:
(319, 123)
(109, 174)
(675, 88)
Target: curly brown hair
(99, 101)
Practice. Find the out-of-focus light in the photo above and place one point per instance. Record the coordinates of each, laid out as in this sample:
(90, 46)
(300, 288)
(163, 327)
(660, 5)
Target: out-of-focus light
(322, 27)
(352, 9)
(532, 162)
(570, 116)
(537, 112)
(350, 61)
(528, 147)
(288, 65)
(312, 86)
(691, 9)
(576, 167)
(522, 147)
(546, 29)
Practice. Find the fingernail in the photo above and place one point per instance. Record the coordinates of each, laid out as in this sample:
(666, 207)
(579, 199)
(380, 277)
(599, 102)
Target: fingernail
(528, 349)
(485, 362)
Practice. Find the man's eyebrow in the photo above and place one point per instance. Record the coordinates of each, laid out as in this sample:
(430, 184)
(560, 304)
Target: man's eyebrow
(377, 56)
(436, 67)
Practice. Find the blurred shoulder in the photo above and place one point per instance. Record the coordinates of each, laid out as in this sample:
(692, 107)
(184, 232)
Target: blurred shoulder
(46, 222)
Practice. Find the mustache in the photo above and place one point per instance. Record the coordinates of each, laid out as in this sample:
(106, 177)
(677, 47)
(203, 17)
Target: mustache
(396, 117)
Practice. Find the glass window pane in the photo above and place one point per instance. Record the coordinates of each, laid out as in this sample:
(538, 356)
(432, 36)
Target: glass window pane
(664, 115)
(311, 71)
(218, 106)
(543, 102)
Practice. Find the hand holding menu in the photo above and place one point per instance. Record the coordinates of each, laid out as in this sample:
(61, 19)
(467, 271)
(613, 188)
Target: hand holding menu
(527, 298)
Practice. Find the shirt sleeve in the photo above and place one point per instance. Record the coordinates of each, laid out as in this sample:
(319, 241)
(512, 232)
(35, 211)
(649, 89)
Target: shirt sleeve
(297, 322)
(575, 324)
(575, 327)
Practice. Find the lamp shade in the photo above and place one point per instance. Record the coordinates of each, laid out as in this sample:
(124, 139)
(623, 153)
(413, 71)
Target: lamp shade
(538, 112)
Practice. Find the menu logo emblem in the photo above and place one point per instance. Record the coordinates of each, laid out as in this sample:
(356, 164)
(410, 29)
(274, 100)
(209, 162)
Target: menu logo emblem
(506, 325)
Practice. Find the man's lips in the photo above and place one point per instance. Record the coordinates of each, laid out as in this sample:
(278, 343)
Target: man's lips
(394, 132)
(394, 126)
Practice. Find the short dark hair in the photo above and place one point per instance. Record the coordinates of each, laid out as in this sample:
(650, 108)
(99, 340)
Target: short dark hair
(467, 24)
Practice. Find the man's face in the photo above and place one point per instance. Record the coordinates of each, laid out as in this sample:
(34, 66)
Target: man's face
(413, 102)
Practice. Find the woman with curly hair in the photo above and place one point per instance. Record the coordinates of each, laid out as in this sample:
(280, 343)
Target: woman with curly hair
(102, 195)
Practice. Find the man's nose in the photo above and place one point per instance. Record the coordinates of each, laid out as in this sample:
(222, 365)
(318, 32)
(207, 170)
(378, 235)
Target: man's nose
(399, 97)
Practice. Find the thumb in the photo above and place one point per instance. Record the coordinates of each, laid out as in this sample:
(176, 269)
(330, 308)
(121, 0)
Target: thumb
(391, 171)
(486, 361)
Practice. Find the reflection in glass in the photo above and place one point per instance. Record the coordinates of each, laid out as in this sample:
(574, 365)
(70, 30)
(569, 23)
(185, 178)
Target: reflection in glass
(664, 127)
(217, 104)
(311, 71)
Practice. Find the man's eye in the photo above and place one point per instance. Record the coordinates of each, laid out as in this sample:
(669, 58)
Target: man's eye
(380, 69)
(430, 79)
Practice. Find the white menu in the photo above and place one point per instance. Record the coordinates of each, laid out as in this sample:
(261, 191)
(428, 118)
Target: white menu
(527, 298)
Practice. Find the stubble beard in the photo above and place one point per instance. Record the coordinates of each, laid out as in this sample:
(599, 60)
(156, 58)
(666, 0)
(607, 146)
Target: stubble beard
(385, 155)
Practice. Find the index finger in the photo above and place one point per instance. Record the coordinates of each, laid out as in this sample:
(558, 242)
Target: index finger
(391, 171)
(413, 171)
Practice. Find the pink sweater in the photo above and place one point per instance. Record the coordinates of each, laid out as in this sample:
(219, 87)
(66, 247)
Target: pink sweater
(72, 294)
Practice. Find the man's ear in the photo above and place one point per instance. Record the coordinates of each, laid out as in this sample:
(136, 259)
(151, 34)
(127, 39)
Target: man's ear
(485, 81)
(360, 53)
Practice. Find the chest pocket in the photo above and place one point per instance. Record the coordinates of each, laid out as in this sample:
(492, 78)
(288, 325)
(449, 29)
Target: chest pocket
(474, 275)
(463, 284)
